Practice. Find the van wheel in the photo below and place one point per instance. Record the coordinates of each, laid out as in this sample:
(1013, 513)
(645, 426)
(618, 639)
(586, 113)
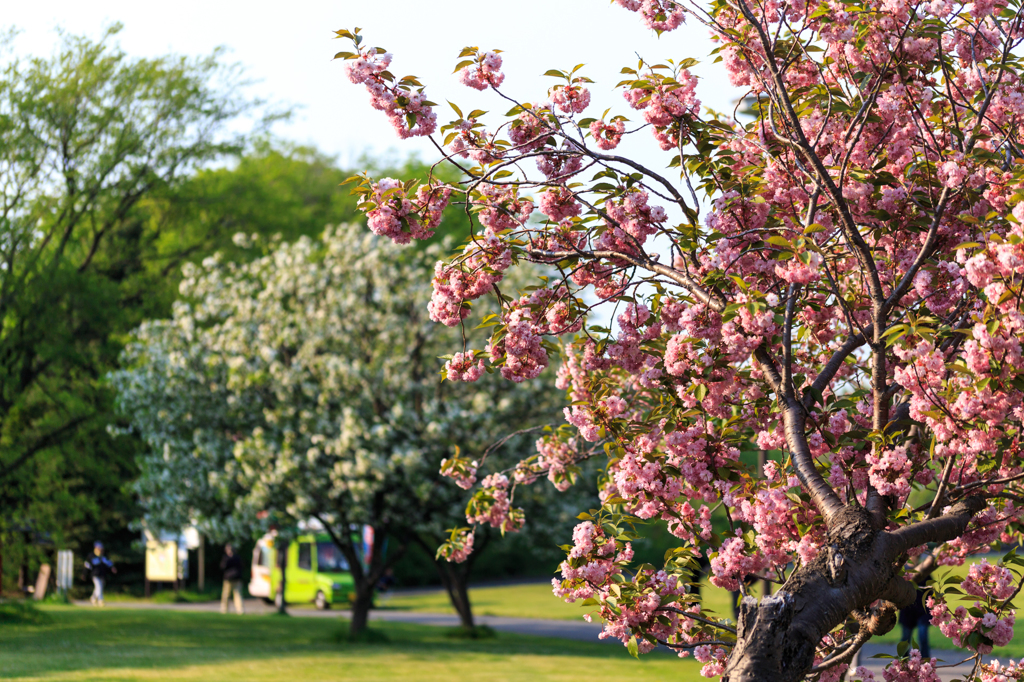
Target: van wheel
(321, 602)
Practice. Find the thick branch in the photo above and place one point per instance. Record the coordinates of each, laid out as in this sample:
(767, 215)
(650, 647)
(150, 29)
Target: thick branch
(941, 529)
(824, 497)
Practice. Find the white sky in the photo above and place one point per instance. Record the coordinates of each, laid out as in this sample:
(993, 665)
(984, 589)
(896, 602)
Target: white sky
(288, 47)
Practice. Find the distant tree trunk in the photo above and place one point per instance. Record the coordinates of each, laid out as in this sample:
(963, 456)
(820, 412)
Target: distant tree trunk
(201, 556)
(364, 575)
(361, 608)
(282, 564)
(456, 584)
(455, 579)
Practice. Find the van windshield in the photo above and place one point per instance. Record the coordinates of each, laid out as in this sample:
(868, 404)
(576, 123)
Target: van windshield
(329, 558)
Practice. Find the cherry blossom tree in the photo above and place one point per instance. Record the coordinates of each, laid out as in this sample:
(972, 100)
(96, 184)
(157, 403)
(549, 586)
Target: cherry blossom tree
(305, 383)
(831, 273)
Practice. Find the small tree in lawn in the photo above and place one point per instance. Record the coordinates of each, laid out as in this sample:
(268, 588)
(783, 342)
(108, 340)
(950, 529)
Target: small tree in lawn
(850, 300)
(306, 382)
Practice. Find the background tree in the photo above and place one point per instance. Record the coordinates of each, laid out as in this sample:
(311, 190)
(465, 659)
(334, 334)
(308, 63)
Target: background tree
(116, 171)
(305, 382)
(85, 137)
(850, 301)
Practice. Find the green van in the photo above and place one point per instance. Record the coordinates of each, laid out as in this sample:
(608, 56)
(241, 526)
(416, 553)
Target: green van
(316, 572)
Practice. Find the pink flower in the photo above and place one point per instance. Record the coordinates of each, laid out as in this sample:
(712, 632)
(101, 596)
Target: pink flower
(463, 368)
(559, 203)
(607, 135)
(572, 98)
(485, 73)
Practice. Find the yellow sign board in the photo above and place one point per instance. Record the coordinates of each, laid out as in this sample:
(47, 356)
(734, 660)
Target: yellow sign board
(161, 561)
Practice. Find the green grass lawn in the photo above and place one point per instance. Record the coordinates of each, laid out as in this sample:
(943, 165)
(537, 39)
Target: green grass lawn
(69, 643)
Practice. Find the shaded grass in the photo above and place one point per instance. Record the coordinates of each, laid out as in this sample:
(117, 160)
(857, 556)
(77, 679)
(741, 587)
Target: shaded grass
(166, 597)
(22, 612)
(133, 644)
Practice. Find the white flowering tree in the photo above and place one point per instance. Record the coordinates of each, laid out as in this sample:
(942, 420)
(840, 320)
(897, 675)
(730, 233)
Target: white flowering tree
(307, 382)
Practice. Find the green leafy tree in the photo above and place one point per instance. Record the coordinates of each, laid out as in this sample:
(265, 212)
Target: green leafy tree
(306, 382)
(86, 137)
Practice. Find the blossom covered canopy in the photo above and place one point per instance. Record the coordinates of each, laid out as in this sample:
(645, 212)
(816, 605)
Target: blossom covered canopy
(832, 273)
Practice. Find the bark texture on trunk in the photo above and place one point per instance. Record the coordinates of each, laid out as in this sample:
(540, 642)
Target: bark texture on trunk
(777, 638)
(456, 584)
(361, 609)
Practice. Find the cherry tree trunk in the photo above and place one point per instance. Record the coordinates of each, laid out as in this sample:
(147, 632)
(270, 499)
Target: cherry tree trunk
(859, 565)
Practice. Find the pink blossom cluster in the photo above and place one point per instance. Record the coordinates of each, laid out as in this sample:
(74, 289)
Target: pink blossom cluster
(734, 563)
(641, 481)
(689, 524)
(521, 349)
(591, 563)
(636, 609)
(557, 457)
(572, 98)
(802, 269)
(459, 470)
(530, 130)
(690, 451)
(632, 214)
(458, 548)
(472, 142)
(560, 166)
(986, 527)
(484, 73)
(492, 505)
(484, 262)
(989, 581)
(464, 367)
(409, 111)
(526, 321)
(667, 104)
(559, 203)
(607, 136)
(959, 624)
(714, 659)
(401, 218)
(1000, 262)
(501, 208)
(367, 66)
(997, 672)
(911, 669)
(889, 472)
(658, 15)
(942, 288)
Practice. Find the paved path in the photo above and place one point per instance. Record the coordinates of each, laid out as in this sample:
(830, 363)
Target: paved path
(565, 629)
(579, 630)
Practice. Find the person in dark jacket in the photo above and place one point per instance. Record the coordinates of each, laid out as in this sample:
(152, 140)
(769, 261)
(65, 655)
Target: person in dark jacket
(99, 567)
(917, 616)
(231, 565)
